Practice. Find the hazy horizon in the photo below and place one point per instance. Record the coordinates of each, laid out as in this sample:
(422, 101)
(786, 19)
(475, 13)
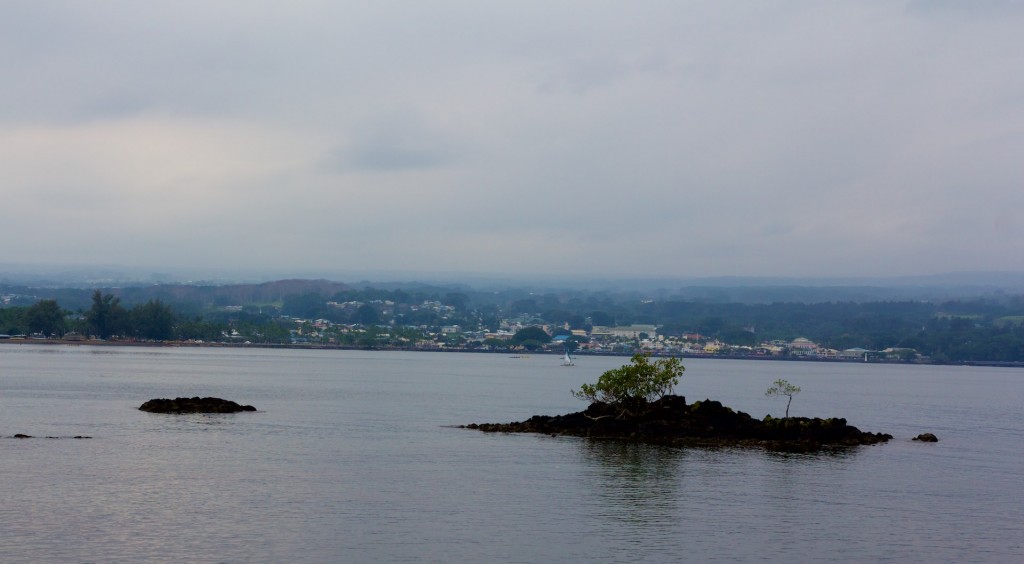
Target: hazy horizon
(87, 275)
(675, 140)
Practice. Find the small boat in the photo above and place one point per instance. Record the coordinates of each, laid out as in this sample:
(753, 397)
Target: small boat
(567, 360)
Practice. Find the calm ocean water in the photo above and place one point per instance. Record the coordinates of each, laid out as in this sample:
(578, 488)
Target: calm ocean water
(350, 459)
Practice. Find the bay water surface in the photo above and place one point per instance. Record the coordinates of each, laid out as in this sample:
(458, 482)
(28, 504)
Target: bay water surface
(353, 457)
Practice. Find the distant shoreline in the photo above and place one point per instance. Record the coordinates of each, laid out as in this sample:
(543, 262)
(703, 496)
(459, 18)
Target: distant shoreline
(309, 346)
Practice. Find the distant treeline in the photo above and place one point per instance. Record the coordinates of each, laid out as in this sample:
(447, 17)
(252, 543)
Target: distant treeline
(981, 329)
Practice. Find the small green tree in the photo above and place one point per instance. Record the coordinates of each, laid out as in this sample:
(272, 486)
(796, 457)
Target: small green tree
(782, 388)
(631, 385)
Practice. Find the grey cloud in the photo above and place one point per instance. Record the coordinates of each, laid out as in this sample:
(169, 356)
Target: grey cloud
(395, 157)
(393, 154)
(974, 8)
(716, 136)
(396, 142)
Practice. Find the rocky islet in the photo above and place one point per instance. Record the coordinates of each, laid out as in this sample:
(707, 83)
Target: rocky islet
(193, 405)
(671, 421)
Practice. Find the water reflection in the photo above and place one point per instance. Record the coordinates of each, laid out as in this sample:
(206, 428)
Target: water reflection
(635, 483)
(646, 484)
(49, 350)
(631, 461)
(145, 352)
(829, 454)
(197, 422)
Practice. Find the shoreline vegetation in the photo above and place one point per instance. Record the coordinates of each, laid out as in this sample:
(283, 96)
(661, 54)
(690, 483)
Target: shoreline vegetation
(319, 314)
(578, 353)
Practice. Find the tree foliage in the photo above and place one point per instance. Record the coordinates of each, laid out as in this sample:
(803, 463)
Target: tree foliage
(367, 315)
(640, 380)
(308, 305)
(199, 329)
(153, 320)
(45, 317)
(107, 316)
(528, 334)
(782, 387)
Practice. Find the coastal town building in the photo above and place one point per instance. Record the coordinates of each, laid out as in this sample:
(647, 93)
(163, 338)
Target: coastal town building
(626, 331)
(802, 347)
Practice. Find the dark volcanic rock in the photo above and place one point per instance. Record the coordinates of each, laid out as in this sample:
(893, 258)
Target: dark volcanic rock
(74, 437)
(926, 438)
(194, 405)
(704, 423)
(24, 436)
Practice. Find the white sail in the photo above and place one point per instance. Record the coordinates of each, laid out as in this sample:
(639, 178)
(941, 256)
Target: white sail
(567, 360)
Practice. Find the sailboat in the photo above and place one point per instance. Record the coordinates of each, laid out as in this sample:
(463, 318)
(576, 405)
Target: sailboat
(567, 360)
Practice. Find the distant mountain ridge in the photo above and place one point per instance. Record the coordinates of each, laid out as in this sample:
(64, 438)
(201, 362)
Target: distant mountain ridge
(74, 293)
(234, 294)
(197, 296)
(949, 279)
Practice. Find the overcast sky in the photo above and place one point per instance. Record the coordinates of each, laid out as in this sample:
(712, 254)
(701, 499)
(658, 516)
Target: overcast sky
(553, 137)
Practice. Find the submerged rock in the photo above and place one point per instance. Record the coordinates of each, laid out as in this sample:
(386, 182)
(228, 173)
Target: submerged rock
(926, 438)
(24, 436)
(194, 405)
(704, 423)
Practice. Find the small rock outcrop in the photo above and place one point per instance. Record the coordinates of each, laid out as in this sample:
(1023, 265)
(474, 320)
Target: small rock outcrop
(194, 405)
(24, 436)
(671, 421)
(926, 438)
